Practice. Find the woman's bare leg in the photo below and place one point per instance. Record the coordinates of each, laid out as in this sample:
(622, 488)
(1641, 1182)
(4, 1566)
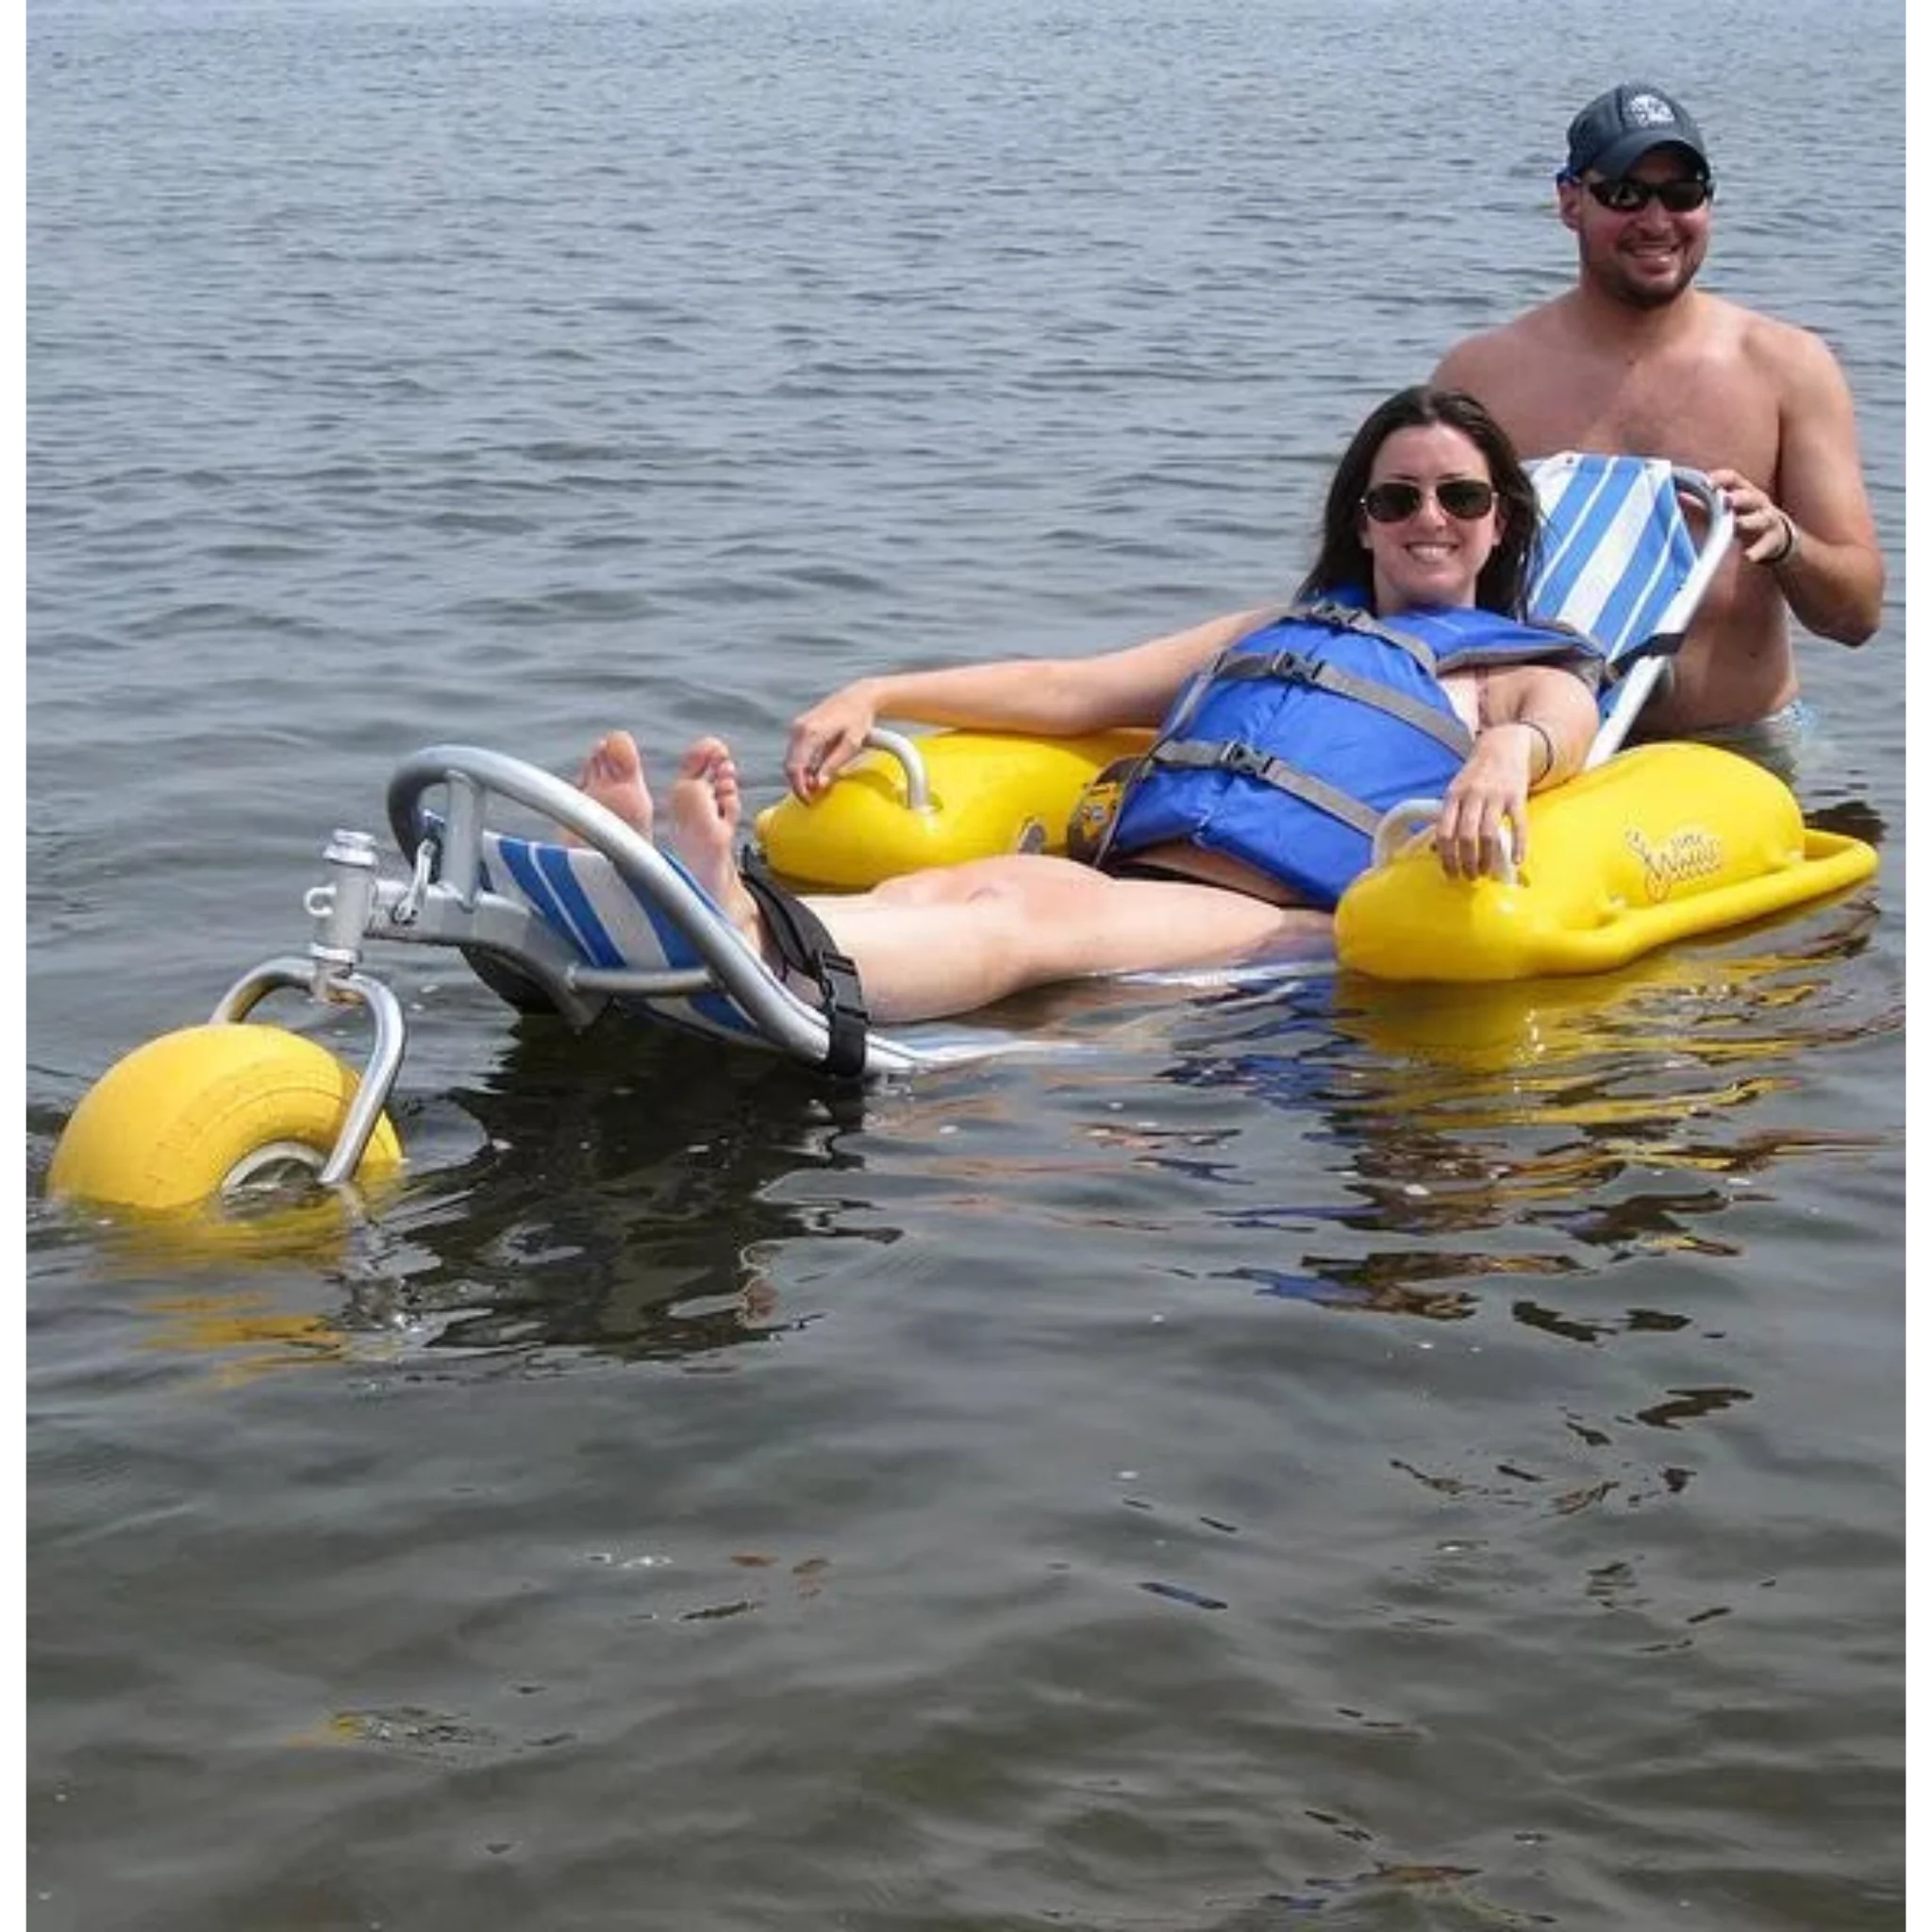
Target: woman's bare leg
(965, 936)
(951, 939)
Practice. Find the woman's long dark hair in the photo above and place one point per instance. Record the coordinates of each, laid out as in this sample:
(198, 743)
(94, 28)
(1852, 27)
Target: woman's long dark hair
(1342, 563)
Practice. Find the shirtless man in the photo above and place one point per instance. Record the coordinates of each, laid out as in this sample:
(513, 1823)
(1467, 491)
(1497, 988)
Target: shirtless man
(1636, 360)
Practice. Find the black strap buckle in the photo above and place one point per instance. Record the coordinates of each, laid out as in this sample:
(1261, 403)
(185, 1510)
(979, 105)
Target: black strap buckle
(1291, 667)
(1243, 760)
(846, 1016)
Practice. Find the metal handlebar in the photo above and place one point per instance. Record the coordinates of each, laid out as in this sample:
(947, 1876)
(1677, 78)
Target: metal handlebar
(897, 744)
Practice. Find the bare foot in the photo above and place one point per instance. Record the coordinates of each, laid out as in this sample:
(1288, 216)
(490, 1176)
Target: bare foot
(613, 774)
(705, 807)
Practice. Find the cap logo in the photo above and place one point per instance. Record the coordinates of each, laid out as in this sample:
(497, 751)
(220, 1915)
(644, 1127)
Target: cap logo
(1648, 110)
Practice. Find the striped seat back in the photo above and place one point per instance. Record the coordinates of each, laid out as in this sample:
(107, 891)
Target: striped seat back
(1616, 547)
(1619, 560)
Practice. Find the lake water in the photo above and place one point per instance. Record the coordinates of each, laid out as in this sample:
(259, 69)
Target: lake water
(1328, 1456)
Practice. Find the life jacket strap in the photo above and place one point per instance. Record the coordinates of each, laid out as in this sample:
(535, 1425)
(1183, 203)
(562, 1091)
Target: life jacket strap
(1340, 616)
(1292, 667)
(1245, 761)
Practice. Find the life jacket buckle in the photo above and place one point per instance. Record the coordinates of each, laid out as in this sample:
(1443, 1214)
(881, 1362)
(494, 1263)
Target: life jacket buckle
(1243, 760)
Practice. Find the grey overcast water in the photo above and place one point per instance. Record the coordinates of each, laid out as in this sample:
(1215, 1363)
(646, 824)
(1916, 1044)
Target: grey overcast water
(1317, 1456)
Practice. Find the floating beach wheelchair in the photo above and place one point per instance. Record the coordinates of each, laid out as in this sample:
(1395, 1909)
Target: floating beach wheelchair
(1647, 846)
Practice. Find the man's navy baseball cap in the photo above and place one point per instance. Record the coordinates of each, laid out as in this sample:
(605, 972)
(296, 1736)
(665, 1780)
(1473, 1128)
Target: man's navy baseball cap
(1618, 128)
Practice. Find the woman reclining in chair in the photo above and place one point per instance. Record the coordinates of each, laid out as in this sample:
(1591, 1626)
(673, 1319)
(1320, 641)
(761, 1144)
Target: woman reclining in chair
(1404, 669)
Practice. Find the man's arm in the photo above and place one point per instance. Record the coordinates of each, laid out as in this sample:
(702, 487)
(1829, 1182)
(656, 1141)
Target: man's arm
(1815, 533)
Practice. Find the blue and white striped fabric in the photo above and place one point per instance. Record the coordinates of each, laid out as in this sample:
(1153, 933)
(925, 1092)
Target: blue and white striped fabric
(611, 924)
(617, 924)
(1616, 548)
(1620, 561)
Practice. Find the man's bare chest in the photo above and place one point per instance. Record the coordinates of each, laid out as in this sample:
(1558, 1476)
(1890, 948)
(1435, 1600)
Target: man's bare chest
(1691, 410)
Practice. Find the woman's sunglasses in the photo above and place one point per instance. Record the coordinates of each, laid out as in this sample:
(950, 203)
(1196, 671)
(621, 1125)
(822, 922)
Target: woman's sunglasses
(1623, 196)
(1461, 497)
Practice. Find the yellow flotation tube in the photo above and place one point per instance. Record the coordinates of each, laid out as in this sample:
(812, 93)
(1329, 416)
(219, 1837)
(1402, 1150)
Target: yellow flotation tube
(1658, 843)
(937, 800)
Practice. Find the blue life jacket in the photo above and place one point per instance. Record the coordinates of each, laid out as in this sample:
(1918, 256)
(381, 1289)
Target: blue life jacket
(1286, 751)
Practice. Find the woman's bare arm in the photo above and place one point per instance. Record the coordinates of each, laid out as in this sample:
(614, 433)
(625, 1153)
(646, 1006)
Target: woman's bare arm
(1054, 697)
(1540, 721)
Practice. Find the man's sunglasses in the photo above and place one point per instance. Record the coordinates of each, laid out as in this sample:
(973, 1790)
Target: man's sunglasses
(1623, 196)
(1462, 497)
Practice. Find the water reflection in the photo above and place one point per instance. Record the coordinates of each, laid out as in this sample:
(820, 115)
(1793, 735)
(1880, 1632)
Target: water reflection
(1851, 818)
(615, 1196)
(623, 1193)
(624, 1203)
(1595, 1120)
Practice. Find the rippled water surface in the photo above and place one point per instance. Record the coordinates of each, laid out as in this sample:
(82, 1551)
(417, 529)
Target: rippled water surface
(1332, 1455)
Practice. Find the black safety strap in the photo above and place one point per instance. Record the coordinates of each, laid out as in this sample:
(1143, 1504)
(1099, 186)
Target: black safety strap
(802, 941)
(1663, 643)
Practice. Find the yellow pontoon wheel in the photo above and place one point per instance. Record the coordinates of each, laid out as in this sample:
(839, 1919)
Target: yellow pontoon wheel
(201, 1112)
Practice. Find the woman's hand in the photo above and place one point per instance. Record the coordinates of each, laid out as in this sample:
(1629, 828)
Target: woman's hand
(825, 740)
(1491, 790)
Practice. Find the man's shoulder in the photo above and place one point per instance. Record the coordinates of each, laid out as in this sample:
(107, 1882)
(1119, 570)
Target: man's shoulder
(1707, 323)
(1767, 354)
(1541, 327)
(1771, 338)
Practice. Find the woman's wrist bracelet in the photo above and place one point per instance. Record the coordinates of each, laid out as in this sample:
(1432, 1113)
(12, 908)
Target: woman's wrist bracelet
(1790, 544)
(1549, 749)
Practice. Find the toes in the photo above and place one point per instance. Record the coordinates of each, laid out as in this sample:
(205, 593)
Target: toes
(704, 758)
(619, 751)
(613, 759)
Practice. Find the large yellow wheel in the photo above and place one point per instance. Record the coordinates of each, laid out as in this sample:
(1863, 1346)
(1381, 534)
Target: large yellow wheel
(204, 1111)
